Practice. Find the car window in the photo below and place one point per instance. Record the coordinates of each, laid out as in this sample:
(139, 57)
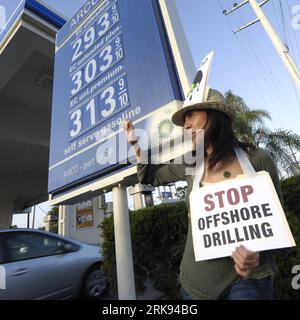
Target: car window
(21, 246)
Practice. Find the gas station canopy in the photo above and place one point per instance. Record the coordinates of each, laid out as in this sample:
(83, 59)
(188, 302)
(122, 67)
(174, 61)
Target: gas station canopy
(27, 46)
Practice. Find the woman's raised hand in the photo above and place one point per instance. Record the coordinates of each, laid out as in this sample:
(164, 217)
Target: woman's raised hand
(132, 139)
(129, 128)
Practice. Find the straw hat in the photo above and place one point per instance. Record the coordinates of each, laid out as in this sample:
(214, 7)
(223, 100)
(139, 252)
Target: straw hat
(215, 101)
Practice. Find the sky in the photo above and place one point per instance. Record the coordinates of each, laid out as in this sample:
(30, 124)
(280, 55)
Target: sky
(245, 63)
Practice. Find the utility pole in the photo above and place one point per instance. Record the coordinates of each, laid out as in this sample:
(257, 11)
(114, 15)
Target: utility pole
(33, 218)
(28, 220)
(279, 46)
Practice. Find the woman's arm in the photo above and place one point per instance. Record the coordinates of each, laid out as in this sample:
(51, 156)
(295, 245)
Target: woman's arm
(148, 173)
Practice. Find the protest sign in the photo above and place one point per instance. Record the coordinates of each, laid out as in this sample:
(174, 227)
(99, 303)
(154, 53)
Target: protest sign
(245, 210)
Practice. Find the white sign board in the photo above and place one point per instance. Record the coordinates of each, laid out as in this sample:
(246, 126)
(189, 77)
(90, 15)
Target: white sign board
(239, 211)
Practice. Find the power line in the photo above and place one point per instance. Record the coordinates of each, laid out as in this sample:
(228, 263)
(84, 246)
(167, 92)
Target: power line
(273, 85)
(265, 65)
(279, 91)
(222, 8)
(288, 41)
(252, 41)
(294, 32)
(273, 81)
(292, 46)
(248, 60)
(246, 53)
(42, 209)
(283, 23)
(276, 41)
(277, 20)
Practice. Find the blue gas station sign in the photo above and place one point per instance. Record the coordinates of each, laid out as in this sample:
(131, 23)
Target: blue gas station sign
(113, 62)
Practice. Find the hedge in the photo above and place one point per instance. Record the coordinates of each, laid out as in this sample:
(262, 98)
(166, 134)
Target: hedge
(158, 237)
(283, 279)
(291, 194)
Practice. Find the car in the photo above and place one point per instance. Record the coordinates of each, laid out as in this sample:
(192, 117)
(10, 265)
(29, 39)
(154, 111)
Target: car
(41, 265)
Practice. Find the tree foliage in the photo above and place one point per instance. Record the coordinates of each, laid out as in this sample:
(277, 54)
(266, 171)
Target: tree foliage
(249, 126)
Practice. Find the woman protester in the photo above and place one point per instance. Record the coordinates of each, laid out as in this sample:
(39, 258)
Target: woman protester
(245, 275)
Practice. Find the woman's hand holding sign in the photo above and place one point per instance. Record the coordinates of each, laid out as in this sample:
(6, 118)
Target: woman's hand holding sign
(245, 260)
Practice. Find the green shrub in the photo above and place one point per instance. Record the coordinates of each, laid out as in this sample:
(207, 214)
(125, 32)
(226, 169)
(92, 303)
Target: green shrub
(108, 252)
(291, 194)
(158, 238)
(283, 279)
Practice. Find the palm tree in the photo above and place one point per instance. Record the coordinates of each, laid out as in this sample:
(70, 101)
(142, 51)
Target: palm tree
(249, 127)
(281, 145)
(248, 122)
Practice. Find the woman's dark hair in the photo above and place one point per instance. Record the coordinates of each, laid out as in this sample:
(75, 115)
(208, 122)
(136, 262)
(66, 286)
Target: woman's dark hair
(220, 136)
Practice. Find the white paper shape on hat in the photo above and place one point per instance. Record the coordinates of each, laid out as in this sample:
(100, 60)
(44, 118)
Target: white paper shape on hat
(199, 90)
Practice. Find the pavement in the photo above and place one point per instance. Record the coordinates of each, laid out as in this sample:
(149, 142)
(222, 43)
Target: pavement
(149, 294)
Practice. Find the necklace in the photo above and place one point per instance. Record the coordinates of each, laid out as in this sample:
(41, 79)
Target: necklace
(227, 174)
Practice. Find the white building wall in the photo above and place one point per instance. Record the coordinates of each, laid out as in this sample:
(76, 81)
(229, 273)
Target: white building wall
(5, 215)
(67, 224)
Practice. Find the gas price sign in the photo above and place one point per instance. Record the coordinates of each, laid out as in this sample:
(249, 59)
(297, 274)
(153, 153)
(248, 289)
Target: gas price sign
(112, 63)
